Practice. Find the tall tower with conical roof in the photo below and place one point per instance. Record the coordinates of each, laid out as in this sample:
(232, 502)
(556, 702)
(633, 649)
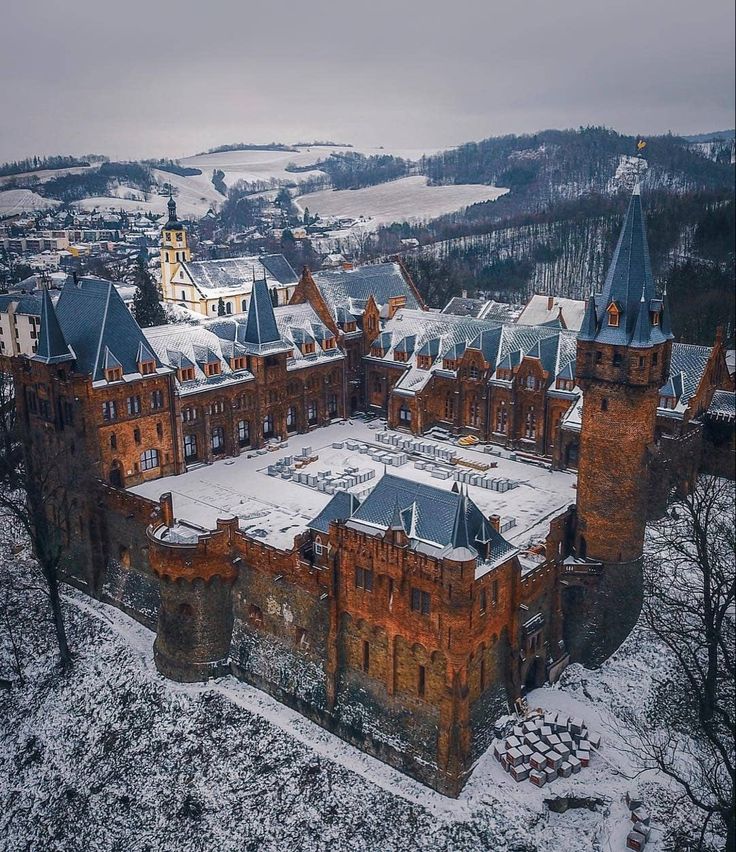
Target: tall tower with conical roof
(623, 358)
(174, 251)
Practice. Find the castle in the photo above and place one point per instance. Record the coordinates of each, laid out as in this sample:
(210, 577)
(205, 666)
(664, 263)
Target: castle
(222, 484)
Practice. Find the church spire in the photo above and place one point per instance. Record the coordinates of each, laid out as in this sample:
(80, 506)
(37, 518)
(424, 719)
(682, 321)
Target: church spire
(171, 204)
(260, 325)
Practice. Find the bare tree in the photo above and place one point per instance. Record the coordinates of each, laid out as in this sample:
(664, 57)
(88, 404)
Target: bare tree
(689, 607)
(33, 503)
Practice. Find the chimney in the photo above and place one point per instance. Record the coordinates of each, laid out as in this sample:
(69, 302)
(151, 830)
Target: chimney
(465, 294)
(167, 509)
(495, 522)
(550, 302)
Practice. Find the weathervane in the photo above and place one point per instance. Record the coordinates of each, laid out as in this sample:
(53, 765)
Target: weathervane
(640, 146)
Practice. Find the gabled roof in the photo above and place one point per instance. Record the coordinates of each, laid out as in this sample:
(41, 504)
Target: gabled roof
(547, 311)
(52, 346)
(351, 288)
(144, 353)
(235, 275)
(437, 521)
(93, 319)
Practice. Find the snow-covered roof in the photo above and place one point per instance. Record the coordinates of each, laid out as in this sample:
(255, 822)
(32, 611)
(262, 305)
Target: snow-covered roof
(723, 406)
(235, 275)
(541, 309)
(351, 288)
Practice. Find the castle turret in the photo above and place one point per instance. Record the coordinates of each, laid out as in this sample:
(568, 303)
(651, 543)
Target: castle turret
(174, 251)
(623, 356)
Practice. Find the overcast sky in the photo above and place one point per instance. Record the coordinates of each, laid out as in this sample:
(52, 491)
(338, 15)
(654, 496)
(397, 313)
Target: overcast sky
(135, 79)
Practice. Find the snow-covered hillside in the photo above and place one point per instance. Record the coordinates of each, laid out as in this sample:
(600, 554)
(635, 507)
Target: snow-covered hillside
(407, 199)
(112, 756)
(15, 201)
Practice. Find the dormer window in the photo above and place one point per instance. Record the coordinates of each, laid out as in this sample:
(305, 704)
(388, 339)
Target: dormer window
(308, 348)
(114, 374)
(212, 369)
(329, 343)
(377, 352)
(424, 362)
(614, 315)
(186, 374)
(146, 368)
(238, 363)
(449, 364)
(667, 402)
(400, 356)
(350, 326)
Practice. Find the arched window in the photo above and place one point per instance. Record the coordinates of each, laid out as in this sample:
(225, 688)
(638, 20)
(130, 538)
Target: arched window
(113, 441)
(183, 296)
(244, 305)
(312, 413)
(149, 459)
(228, 307)
(137, 435)
(531, 382)
(473, 372)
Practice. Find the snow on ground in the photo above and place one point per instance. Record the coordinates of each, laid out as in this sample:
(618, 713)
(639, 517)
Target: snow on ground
(113, 756)
(406, 199)
(283, 508)
(252, 166)
(14, 201)
(42, 175)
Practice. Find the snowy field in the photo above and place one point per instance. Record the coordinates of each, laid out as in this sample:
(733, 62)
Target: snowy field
(113, 756)
(254, 166)
(283, 508)
(404, 200)
(15, 201)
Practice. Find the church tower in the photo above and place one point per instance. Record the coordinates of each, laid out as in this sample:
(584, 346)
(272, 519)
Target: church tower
(623, 358)
(174, 251)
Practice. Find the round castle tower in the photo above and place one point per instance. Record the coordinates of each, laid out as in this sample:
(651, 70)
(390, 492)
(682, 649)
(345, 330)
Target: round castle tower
(195, 619)
(623, 358)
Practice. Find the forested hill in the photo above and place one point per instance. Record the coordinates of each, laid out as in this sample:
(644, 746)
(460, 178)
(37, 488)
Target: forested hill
(556, 164)
(565, 250)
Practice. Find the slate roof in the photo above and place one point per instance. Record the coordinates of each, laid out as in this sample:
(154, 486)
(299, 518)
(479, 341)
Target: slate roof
(260, 327)
(340, 508)
(723, 406)
(93, 318)
(52, 347)
(29, 305)
(464, 307)
(234, 275)
(436, 521)
(192, 346)
(538, 312)
(691, 361)
(630, 284)
(351, 288)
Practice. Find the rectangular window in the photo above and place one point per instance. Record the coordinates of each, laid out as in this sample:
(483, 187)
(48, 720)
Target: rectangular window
(420, 601)
(243, 433)
(149, 459)
(190, 446)
(312, 413)
(482, 675)
(366, 656)
(364, 579)
(483, 601)
(421, 681)
(108, 409)
(157, 399)
(134, 405)
(218, 439)
(494, 593)
(188, 414)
